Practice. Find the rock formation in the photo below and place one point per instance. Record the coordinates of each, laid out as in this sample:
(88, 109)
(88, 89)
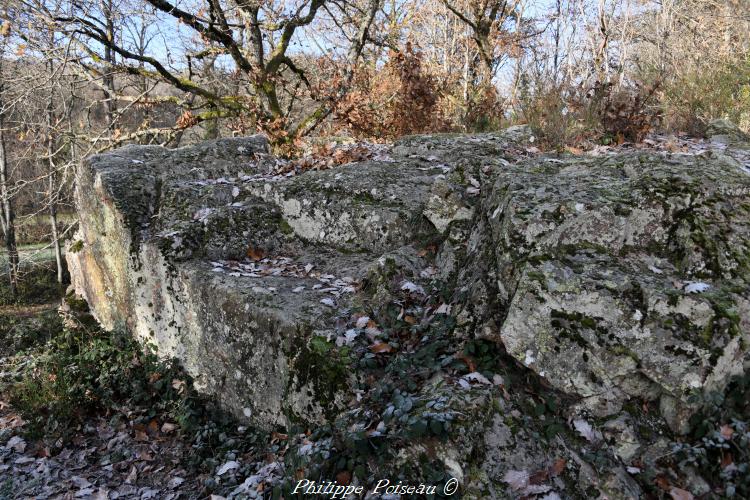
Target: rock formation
(352, 294)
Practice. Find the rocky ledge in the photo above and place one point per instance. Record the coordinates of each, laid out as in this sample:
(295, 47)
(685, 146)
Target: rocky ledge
(435, 293)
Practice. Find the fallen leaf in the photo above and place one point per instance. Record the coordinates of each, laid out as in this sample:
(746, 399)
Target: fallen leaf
(663, 483)
(468, 362)
(254, 253)
(539, 477)
(362, 321)
(680, 494)
(16, 444)
(277, 436)
(132, 476)
(516, 479)
(178, 385)
(167, 427)
(224, 468)
(726, 431)
(381, 347)
(584, 429)
(557, 467)
(344, 477)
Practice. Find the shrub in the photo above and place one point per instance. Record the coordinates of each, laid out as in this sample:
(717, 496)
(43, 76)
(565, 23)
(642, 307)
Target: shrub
(548, 111)
(83, 369)
(692, 98)
(399, 99)
(23, 329)
(603, 113)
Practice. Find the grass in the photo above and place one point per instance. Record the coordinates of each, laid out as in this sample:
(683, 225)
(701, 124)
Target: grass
(34, 228)
(31, 254)
(38, 277)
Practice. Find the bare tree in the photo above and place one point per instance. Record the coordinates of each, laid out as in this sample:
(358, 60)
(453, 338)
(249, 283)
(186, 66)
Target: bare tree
(8, 215)
(256, 36)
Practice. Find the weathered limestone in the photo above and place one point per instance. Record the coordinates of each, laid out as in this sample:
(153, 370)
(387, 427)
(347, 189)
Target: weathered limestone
(624, 276)
(615, 278)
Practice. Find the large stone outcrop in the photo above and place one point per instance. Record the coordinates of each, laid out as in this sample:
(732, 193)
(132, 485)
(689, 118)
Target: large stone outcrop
(614, 278)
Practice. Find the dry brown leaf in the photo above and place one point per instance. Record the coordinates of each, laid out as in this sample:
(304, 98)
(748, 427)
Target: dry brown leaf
(277, 436)
(186, 119)
(539, 477)
(662, 483)
(381, 347)
(468, 361)
(344, 477)
(557, 467)
(255, 253)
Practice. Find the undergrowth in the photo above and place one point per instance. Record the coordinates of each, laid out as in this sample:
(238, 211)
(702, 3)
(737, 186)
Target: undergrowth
(65, 374)
(38, 285)
(718, 447)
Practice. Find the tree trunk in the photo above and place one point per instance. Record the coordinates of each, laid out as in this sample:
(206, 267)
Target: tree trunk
(109, 57)
(7, 204)
(52, 188)
(56, 239)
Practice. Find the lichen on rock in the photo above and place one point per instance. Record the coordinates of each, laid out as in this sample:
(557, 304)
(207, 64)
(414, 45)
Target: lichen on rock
(607, 280)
